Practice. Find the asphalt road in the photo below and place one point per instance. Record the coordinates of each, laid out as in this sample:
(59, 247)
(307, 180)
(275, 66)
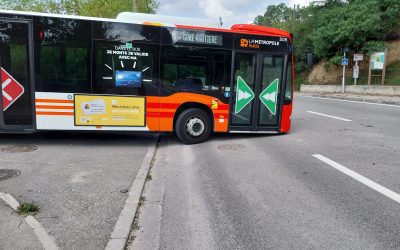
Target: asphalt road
(270, 192)
(76, 179)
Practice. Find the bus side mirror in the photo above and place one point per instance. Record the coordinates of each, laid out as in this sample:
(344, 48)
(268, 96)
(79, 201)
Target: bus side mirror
(310, 60)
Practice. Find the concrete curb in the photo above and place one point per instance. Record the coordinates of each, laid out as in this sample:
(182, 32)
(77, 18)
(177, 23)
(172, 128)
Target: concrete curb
(47, 241)
(122, 229)
(350, 98)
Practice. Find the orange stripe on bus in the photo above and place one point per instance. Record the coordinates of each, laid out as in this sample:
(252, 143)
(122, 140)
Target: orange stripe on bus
(54, 107)
(55, 100)
(56, 113)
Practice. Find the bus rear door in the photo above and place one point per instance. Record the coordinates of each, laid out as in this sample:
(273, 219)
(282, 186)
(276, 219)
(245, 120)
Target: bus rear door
(16, 65)
(256, 92)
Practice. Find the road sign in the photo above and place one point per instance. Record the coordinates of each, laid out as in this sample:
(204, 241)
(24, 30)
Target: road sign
(345, 62)
(11, 89)
(244, 95)
(358, 57)
(269, 96)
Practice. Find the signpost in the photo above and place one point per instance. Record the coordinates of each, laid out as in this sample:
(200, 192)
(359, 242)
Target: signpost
(345, 62)
(356, 70)
(269, 96)
(377, 62)
(244, 95)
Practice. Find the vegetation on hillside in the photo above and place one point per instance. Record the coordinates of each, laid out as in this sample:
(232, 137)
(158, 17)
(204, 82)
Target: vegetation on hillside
(96, 8)
(327, 26)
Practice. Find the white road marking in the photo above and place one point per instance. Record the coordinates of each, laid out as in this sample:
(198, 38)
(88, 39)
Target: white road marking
(330, 116)
(47, 241)
(371, 184)
(340, 100)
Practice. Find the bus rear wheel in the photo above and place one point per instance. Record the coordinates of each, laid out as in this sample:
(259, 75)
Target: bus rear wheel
(193, 126)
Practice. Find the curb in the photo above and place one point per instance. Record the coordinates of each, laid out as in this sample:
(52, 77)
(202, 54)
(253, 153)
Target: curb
(45, 239)
(356, 99)
(122, 228)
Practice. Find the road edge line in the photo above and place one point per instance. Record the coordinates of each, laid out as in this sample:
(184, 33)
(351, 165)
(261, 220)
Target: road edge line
(120, 235)
(358, 177)
(43, 236)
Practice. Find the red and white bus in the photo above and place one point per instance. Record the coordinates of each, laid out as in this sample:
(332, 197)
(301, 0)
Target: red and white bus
(63, 72)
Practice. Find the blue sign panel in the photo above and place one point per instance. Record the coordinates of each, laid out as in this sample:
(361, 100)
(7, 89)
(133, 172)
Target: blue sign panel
(345, 62)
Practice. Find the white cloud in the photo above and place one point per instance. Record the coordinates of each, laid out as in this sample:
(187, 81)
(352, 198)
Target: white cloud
(231, 11)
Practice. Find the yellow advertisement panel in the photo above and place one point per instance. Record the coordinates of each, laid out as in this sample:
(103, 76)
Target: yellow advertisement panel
(99, 110)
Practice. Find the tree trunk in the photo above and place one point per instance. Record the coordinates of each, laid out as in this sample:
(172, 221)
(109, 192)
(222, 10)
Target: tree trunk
(135, 6)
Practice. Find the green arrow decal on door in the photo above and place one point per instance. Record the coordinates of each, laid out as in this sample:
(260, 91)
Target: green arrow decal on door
(269, 96)
(244, 94)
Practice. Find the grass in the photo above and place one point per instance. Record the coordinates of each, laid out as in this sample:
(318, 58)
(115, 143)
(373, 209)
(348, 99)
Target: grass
(28, 208)
(149, 177)
(142, 200)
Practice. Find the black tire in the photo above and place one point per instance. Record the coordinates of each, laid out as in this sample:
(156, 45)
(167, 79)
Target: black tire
(193, 126)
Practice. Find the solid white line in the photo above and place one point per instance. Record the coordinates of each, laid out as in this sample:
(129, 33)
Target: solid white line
(330, 116)
(361, 102)
(375, 186)
(47, 241)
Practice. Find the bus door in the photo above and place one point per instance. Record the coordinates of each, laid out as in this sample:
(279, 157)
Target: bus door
(16, 66)
(256, 92)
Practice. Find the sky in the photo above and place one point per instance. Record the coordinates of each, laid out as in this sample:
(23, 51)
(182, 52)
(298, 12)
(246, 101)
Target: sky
(231, 11)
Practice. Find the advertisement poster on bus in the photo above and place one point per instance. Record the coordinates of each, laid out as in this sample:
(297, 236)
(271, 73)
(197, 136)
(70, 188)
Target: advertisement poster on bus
(98, 110)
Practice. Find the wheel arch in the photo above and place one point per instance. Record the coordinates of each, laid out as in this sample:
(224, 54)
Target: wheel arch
(188, 105)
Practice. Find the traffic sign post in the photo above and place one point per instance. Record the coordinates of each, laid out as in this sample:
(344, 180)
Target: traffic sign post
(356, 70)
(244, 95)
(345, 62)
(269, 96)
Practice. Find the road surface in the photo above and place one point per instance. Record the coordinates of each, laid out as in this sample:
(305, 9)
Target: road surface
(333, 182)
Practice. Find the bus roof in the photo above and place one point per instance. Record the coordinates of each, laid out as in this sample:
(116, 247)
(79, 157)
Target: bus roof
(168, 21)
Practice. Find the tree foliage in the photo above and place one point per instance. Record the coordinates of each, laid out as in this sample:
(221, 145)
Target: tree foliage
(327, 26)
(96, 8)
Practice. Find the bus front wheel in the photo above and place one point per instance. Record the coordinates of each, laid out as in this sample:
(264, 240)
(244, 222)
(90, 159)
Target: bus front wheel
(193, 126)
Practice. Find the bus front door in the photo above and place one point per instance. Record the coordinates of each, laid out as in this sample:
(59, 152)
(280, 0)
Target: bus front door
(16, 66)
(256, 92)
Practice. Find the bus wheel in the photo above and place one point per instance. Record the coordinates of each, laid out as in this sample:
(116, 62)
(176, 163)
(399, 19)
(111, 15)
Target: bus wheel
(193, 126)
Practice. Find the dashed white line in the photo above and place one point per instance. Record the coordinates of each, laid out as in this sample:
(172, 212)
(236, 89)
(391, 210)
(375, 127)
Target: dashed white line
(369, 183)
(330, 116)
(361, 102)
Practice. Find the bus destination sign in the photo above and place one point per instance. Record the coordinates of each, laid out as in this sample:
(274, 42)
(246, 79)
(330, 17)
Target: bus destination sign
(196, 37)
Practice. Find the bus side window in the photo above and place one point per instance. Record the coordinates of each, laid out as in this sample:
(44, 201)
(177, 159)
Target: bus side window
(63, 55)
(193, 69)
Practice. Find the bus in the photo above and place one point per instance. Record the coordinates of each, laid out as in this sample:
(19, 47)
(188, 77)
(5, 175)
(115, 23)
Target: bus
(61, 72)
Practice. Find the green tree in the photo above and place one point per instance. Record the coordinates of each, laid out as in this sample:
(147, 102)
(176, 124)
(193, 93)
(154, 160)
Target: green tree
(97, 8)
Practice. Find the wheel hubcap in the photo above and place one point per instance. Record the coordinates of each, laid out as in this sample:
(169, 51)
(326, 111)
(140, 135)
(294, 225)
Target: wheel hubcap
(195, 126)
